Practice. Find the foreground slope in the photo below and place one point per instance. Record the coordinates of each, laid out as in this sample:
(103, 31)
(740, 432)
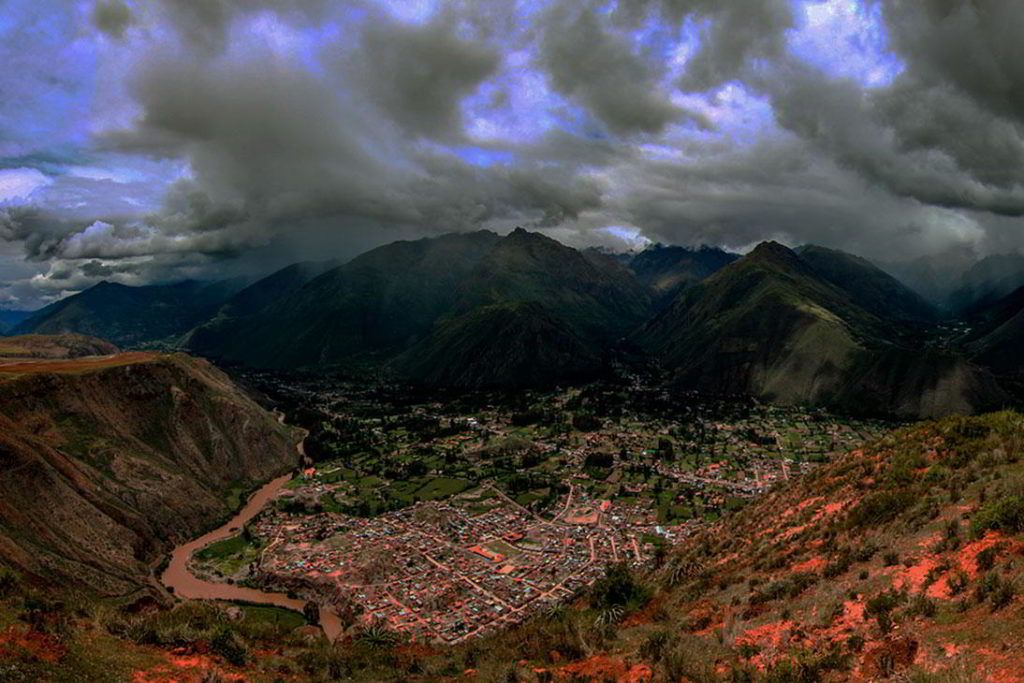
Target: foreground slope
(109, 460)
(903, 555)
(769, 325)
(898, 562)
(53, 346)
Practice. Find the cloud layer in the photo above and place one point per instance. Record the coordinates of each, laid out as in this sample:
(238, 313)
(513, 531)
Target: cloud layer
(154, 141)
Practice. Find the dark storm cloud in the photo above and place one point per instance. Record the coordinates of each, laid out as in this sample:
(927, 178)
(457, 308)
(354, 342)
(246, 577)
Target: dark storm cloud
(418, 75)
(272, 144)
(299, 123)
(205, 24)
(112, 17)
(599, 70)
(974, 47)
(733, 34)
(39, 232)
(883, 140)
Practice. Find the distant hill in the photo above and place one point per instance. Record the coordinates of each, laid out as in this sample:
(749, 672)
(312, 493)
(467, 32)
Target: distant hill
(378, 303)
(131, 316)
(997, 340)
(251, 301)
(770, 325)
(667, 270)
(501, 345)
(868, 286)
(8, 319)
(58, 346)
(986, 282)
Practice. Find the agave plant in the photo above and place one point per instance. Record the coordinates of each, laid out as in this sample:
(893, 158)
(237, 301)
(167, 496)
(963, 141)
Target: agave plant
(609, 616)
(377, 636)
(683, 570)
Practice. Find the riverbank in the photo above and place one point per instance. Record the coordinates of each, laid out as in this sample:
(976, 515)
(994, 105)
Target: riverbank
(179, 579)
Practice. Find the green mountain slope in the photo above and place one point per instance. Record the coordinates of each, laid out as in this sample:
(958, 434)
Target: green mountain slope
(385, 301)
(768, 325)
(594, 294)
(250, 301)
(997, 340)
(501, 345)
(867, 285)
(376, 303)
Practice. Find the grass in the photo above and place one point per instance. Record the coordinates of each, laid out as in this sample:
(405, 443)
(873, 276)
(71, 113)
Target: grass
(274, 616)
(441, 487)
(229, 555)
(223, 549)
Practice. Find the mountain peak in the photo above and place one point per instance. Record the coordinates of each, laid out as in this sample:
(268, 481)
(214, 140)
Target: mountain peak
(774, 253)
(772, 249)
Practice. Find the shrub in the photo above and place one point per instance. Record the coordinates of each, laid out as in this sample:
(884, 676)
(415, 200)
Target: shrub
(921, 606)
(839, 565)
(618, 588)
(997, 591)
(880, 507)
(986, 559)
(881, 606)
(891, 559)
(653, 648)
(227, 645)
(790, 587)
(958, 582)
(1003, 514)
(9, 582)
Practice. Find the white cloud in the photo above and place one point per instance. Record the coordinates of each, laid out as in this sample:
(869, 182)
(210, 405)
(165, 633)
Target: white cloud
(19, 183)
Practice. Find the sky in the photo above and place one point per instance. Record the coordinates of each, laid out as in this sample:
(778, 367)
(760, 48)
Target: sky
(155, 140)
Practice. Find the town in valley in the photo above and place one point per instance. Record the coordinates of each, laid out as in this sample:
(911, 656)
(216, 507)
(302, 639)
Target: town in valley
(446, 516)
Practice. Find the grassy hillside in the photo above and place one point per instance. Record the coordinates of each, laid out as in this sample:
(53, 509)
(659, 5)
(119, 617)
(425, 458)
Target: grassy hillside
(868, 286)
(377, 302)
(595, 295)
(502, 345)
(998, 335)
(668, 270)
(769, 325)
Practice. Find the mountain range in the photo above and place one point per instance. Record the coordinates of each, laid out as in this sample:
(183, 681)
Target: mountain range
(812, 325)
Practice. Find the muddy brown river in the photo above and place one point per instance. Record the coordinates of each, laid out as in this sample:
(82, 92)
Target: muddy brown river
(188, 586)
